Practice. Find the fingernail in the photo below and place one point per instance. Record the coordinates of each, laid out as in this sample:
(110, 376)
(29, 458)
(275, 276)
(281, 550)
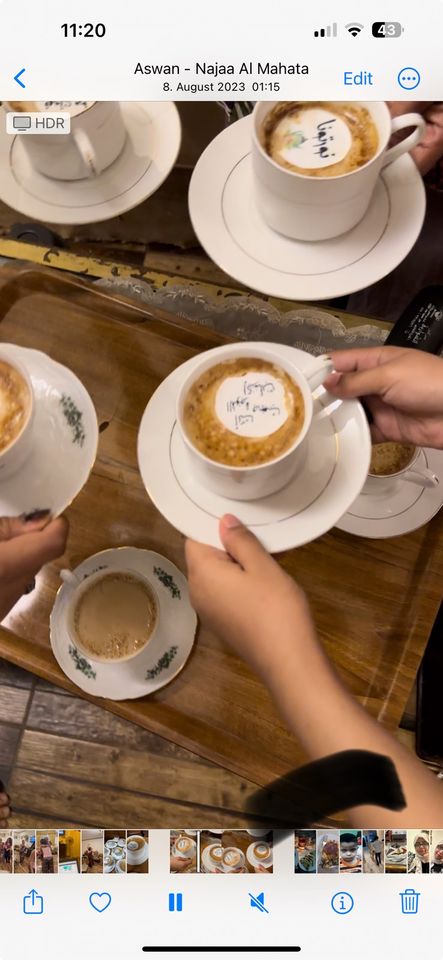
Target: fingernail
(231, 522)
(35, 515)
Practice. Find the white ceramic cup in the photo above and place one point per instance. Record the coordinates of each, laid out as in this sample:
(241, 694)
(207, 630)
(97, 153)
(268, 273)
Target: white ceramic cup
(136, 857)
(80, 586)
(14, 456)
(184, 854)
(387, 483)
(319, 208)
(228, 868)
(96, 139)
(252, 483)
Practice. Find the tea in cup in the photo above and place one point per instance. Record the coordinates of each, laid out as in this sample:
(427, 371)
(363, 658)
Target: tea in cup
(394, 462)
(112, 614)
(244, 413)
(316, 163)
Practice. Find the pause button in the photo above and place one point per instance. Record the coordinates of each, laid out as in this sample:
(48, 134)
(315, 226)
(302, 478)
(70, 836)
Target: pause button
(175, 902)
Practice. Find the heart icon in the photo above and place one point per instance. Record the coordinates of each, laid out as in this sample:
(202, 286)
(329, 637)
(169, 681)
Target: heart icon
(100, 901)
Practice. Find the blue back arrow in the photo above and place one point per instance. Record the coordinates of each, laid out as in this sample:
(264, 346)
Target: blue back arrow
(17, 78)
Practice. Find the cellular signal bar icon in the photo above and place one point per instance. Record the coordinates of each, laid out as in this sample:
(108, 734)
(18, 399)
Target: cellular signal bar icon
(329, 31)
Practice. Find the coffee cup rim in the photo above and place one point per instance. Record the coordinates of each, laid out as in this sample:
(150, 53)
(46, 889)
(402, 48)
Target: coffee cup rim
(398, 473)
(21, 369)
(321, 178)
(284, 363)
(81, 588)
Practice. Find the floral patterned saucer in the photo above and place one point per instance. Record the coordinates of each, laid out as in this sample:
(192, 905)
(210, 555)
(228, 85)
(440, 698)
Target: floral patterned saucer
(65, 435)
(162, 659)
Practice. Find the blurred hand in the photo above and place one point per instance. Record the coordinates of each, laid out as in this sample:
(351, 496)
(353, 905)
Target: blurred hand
(402, 388)
(430, 150)
(25, 546)
(178, 864)
(245, 598)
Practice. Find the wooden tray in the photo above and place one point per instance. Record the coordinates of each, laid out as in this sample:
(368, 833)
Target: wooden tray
(374, 601)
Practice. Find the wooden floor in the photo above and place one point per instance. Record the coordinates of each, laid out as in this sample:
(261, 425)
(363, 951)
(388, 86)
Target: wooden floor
(67, 762)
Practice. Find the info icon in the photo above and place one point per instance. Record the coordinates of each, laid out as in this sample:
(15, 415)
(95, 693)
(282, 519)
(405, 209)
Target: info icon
(342, 903)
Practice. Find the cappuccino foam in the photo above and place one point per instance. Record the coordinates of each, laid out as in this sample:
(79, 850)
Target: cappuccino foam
(320, 139)
(15, 404)
(243, 412)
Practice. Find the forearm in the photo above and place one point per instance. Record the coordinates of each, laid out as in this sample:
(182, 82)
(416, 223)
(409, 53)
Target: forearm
(326, 719)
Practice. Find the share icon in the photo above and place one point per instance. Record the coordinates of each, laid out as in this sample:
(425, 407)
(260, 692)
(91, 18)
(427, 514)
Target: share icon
(258, 902)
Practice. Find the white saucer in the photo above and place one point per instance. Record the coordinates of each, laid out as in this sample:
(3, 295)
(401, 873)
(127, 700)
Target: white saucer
(65, 439)
(231, 230)
(149, 154)
(254, 861)
(406, 509)
(161, 660)
(337, 462)
(207, 865)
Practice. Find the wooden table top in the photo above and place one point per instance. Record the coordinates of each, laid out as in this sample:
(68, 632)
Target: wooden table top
(374, 601)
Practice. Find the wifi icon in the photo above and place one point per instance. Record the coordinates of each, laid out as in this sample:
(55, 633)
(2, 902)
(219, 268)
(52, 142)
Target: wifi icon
(354, 28)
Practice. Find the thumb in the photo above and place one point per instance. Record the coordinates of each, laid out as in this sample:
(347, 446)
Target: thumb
(242, 545)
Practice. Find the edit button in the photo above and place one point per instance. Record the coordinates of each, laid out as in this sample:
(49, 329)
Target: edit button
(362, 79)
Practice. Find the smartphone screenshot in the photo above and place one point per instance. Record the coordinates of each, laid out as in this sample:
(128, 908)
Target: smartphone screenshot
(221, 480)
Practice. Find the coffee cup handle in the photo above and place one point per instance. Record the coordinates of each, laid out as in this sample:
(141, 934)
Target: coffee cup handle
(88, 154)
(400, 123)
(70, 578)
(317, 373)
(423, 478)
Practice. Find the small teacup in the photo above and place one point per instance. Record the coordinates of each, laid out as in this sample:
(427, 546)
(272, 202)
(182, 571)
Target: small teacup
(262, 479)
(97, 138)
(387, 483)
(17, 407)
(128, 613)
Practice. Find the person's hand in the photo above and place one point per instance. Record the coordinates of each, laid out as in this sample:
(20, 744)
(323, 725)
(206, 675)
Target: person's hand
(430, 150)
(179, 864)
(26, 544)
(403, 390)
(246, 599)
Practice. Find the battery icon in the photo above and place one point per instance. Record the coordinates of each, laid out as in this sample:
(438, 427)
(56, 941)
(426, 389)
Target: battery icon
(387, 28)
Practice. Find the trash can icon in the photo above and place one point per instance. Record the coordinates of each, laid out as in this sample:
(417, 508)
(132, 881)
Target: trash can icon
(409, 901)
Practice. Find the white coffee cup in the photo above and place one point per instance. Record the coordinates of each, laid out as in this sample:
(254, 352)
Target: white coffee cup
(318, 208)
(382, 484)
(251, 483)
(80, 587)
(227, 866)
(96, 139)
(184, 854)
(134, 857)
(14, 456)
